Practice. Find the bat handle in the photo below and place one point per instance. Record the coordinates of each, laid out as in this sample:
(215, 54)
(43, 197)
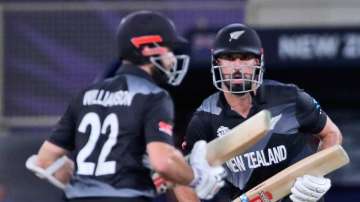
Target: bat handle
(242, 198)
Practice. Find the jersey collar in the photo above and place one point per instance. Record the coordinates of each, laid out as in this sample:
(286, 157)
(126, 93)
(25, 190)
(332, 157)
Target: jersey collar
(134, 70)
(257, 103)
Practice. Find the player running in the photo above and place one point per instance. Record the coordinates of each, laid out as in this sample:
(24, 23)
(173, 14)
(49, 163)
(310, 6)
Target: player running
(118, 128)
(237, 72)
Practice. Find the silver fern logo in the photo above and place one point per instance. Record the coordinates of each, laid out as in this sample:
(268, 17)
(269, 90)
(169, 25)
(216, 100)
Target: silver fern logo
(274, 120)
(222, 130)
(236, 35)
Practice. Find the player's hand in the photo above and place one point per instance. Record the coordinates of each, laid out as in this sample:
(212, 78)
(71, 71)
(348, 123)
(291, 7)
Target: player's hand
(58, 173)
(207, 179)
(309, 188)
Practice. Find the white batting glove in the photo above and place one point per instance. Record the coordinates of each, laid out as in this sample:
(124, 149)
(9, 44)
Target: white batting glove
(62, 165)
(309, 188)
(207, 179)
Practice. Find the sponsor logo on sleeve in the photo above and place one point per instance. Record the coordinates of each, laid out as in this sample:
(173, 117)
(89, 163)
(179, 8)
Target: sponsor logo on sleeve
(166, 128)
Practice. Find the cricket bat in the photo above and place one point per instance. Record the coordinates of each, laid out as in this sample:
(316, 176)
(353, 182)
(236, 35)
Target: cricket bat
(234, 142)
(279, 185)
(238, 139)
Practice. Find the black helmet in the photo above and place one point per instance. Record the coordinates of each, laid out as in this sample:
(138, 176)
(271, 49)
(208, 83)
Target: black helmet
(145, 27)
(237, 38)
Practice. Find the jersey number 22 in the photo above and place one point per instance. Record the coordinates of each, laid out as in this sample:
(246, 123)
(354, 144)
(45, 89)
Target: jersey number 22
(102, 167)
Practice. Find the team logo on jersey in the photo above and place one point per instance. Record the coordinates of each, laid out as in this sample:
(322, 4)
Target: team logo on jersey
(166, 128)
(222, 130)
(236, 35)
(274, 120)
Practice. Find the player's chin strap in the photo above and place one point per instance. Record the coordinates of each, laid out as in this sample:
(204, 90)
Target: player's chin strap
(47, 174)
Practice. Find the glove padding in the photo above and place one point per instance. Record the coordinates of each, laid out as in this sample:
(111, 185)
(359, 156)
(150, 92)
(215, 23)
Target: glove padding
(48, 173)
(309, 188)
(207, 179)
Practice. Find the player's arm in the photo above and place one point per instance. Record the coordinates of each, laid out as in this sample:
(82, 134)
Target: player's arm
(185, 194)
(50, 153)
(312, 188)
(196, 131)
(163, 156)
(314, 120)
(205, 179)
(51, 163)
(169, 162)
(330, 135)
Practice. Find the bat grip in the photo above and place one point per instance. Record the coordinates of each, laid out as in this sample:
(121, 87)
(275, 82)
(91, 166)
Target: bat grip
(243, 198)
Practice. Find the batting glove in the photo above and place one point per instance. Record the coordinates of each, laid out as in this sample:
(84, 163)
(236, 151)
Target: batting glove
(309, 188)
(208, 180)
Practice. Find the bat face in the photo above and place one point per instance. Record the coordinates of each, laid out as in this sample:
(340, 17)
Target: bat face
(239, 139)
(278, 186)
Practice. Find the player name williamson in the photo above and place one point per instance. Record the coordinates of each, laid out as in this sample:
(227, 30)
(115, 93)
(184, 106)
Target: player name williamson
(107, 98)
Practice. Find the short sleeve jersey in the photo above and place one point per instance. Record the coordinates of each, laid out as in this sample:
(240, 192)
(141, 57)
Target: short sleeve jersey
(296, 116)
(107, 127)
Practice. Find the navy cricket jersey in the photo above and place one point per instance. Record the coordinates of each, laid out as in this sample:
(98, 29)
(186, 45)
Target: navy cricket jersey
(107, 127)
(297, 116)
